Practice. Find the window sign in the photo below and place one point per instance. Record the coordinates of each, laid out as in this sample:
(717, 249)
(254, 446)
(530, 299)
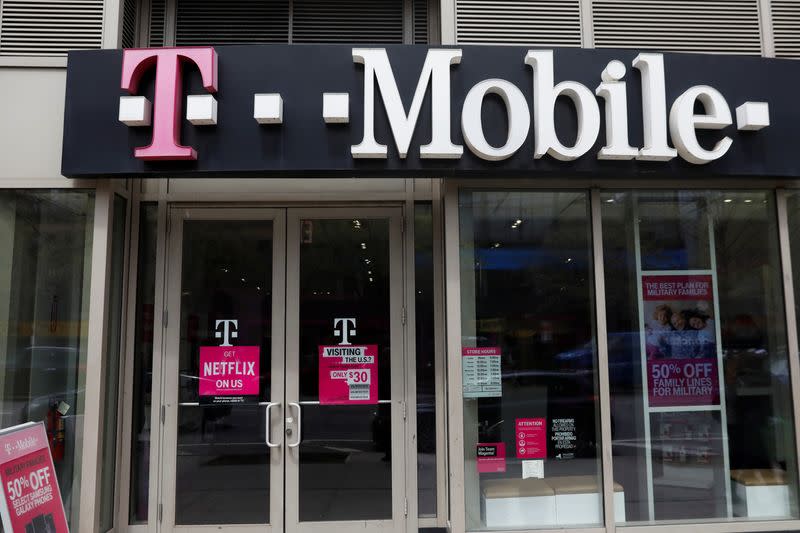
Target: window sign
(531, 438)
(481, 372)
(348, 373)
(680, 340)
(31, 499)
(491, 457)
(228, 374)
(563, 438)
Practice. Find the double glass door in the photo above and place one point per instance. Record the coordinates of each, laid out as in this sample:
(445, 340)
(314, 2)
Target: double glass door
(283, 371)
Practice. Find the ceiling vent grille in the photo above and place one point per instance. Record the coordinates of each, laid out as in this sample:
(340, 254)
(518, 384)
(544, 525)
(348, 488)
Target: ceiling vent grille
(350, 21)
(205, 22)
(786, 27)
(49, 27)
(421, 22)
(719, 26)
(523, 22)
(129, 23)
(158, 22)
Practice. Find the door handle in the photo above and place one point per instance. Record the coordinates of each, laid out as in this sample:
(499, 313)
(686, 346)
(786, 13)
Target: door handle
(296, 443)
(270, 405)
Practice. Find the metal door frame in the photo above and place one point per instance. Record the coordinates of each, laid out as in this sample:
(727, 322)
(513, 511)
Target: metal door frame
(397, 523)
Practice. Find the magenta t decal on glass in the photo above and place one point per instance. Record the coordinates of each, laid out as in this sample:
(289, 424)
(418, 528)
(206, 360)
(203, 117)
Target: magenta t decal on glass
(165, 144)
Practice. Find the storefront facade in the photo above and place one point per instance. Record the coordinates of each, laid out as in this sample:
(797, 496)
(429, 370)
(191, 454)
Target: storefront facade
(395, 286)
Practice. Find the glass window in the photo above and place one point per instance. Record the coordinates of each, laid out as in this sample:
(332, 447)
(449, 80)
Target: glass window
(426, 359)
(46, 238)
(112, 364)
(528, 361)
(143, 364)
(702, 420)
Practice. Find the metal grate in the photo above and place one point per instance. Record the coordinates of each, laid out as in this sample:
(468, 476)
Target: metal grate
(203, 22)
(786, 27)
(49, 27)
(129, 9)
(528, 22)
(720, 26)
(158, 23)
(350, 21)
(421, 22)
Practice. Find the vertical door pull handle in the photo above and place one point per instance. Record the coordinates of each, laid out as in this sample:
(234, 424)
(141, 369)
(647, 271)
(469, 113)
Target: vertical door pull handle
(296, 443)
(271, 444)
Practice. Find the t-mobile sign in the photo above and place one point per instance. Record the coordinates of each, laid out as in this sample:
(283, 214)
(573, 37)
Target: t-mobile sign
(31, 501)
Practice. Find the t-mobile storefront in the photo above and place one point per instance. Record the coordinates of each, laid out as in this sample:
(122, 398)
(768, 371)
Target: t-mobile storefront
(483, 288)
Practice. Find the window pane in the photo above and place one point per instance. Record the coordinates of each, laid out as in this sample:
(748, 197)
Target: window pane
(143, 364)
(528, 361)
(46, 238)
(702, 421)
(426, 359)
(112, 365)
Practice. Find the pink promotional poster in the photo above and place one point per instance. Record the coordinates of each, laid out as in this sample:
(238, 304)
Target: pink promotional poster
(31, 500)
(229, 374)
(348, 374)
(491, 457)
(680, 340)
(531, 438)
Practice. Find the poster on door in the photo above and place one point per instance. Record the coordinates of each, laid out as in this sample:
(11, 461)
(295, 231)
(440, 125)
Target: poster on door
(348, 375)
(31, 501)
(229, 374)
(680, 336)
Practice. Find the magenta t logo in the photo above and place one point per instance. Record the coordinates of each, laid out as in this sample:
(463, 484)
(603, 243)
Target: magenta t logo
(168, 94)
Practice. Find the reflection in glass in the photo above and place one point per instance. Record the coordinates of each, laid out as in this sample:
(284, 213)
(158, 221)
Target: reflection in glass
(222, 459)
(426, 359)
(112, 364)
(143, 365)
(708, 459)
(46, 238)
(530, 415)
(346, 450)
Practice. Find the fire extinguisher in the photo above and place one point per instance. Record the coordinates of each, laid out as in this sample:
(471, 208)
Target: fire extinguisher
(55, 432)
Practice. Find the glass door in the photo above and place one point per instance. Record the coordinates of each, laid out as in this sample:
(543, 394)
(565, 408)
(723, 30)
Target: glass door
(224, 370)
(345, 454)
(284, 373)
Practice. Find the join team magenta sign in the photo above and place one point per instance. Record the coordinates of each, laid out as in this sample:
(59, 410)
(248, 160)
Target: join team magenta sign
(31, 501)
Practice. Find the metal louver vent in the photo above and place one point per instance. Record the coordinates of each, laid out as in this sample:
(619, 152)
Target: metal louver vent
(202, 22)
(347, 21)
(421, 22)
(786, 27)
(158, 14)
(528, 22)
(129, 23)
(721, 26)
(49, 27)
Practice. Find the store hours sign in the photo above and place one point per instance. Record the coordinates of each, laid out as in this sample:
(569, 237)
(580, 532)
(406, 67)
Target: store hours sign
(406, 110)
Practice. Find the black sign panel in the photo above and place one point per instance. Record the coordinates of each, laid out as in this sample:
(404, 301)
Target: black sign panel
(96, 144)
